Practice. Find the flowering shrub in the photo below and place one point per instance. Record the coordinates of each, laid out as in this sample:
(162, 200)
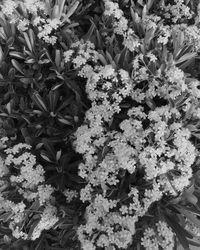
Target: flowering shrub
(24, 194)
(99, 106)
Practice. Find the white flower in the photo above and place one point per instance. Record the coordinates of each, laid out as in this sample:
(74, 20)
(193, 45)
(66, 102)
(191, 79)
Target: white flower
(47, 221)
(33, 6)
(131, 41)
(70, 194)
(67, 55)
(47, 28)
(161, 237)
(8, 7)
(23, 25)
(3, 168)
(45, 192)
(16, 149)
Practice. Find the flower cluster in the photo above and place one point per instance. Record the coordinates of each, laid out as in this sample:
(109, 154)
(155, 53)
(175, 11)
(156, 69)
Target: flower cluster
(23, 179)
(177, 11)
(151, 143)
(46, 27)
(37, 10)
(120, 25)
(70, 194)
(81, 54)
(161, 237)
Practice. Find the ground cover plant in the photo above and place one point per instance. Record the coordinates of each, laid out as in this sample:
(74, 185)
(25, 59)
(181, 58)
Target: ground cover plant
(99, 124)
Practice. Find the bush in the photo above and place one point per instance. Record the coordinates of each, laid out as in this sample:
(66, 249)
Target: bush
(99, 107)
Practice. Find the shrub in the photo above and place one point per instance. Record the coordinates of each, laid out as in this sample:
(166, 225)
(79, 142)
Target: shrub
(100, 124)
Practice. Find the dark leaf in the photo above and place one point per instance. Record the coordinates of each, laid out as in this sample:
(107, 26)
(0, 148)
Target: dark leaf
(180, 232)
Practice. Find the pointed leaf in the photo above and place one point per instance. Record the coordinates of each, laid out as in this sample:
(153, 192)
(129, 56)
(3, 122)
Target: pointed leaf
(28, 41)
(17, 66)
(39, 101)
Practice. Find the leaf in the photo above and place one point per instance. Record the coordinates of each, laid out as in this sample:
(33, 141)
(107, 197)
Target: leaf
(17, 66)
(75, 88)
(111, 61)
(58, 155)
(49, 147)
(99, 40)
(76, 178)
(57, 58)
(194, 243)
(144, 12)
(11, 74)
(8, 107)
(16, 54)
(88, 35)
(57, 86)
(190, 216)
(102, 59)
(178, 40)
(1, 54)
(5, 216)
(40, 244)
(10, 41)
(53, 99)
(32, 37)
(180, 232)
(149, 35)
(61, 7)
(149, 4)
(39, 101)
(186, 57)
(71, 10)
(55, 12)
(28, 41)
(32, 228)
(64, 121)
(45, 157)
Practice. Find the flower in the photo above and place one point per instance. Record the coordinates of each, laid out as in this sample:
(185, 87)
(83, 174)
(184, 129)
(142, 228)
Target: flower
(23, 25)
(33, 6)
(8, 7)
(47, 221)
(177, 11)
(46, 29)
(70, 194)
(67, 55)
(162, 236)
(27, 182)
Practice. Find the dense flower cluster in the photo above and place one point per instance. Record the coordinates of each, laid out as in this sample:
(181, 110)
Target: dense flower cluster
(163, 237)
(21, 176)
(36, 8)
(154, 143)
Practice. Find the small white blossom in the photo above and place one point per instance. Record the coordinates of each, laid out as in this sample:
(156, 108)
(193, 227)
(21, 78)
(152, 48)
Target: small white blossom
(70, 194)
(47, 221)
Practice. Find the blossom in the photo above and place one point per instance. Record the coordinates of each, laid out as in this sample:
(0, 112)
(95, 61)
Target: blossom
(164, 34)
(67, 55)
(70, 194)
(8, 7)
(47, 221)
(177, 11)
(162, 236)
(45, 30)
(33, 6)
(45, 193)
(120, 23)
(29, 184)
(23, 25)
(131, 41)
(3, 168)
